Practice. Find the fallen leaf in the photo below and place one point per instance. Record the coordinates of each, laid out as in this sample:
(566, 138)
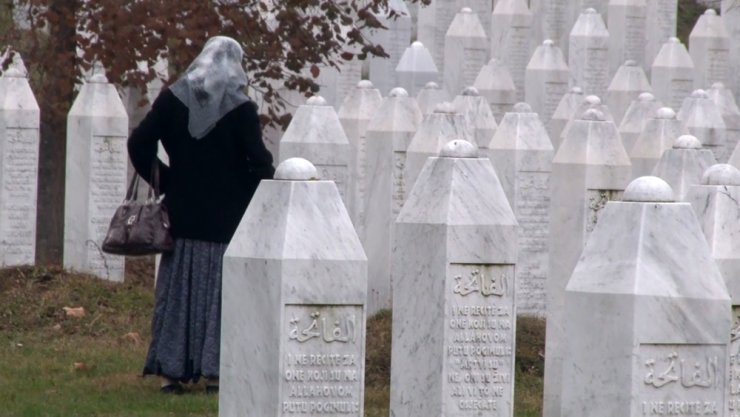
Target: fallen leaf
(57, 327)
(74, 311)
(133, 336)
(81, 366)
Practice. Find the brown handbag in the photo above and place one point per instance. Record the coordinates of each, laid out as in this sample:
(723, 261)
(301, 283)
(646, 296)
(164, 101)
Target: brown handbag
(140, 227)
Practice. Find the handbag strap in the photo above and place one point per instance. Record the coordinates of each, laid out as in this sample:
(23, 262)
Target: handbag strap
(133, 188)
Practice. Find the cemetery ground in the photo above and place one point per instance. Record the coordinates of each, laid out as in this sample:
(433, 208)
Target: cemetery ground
(57, 362)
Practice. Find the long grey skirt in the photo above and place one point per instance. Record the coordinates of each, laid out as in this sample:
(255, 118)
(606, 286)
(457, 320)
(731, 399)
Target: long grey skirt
(186, 326)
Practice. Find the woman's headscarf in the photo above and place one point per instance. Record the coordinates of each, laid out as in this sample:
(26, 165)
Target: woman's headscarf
(213, 84)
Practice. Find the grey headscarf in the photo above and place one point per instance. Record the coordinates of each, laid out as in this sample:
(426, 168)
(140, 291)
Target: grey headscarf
(213, 84)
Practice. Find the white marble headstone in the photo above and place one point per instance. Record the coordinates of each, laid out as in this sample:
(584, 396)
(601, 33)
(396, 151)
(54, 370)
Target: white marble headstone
(547, 78)
(416, 68)
(716, 203)
(522, 155)
(637, 114)
(394, 39)
(433, 22)
(465, 51)
(731, 17)
(389, 134)
(588, 53)
(436, 130)
(703, 119)
(354, 115)
(672, 74)
(684, 164)
(431, 95)
(565, 111)
(511, 27)
(479, 118)
(627, 84)
(96, 181)
(494, 82)
(627, 22)
(19, 152)
(661, 22)
(656, 334)
(454, 314)
(659, 134)
(550, 20)
(294, 290)
(590, 168)
(316, 134)
(336, 83)
(589, 102)
(709, 47)
(727, 105)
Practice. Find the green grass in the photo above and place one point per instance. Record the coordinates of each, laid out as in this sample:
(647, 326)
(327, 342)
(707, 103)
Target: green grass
(54, 365)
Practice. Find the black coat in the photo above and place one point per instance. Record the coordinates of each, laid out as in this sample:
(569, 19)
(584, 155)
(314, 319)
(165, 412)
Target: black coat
(209, 181)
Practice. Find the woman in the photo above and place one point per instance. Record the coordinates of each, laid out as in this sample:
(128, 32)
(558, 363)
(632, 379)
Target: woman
(211, 133)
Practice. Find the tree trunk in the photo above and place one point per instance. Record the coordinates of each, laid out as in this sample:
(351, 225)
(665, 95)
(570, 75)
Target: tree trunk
(57, 96)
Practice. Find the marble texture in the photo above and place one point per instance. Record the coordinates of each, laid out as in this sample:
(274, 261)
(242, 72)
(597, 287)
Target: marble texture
(433, 22)
(465, 51)
(521, 153)
(431, 95)
(95, 175)
(336, 83)
(683, 165)
(494, 82)
(389, 134)
(731, 17)
(716, 202)
(659, 134)
(588, 53)
(315, 133)
(354, 115)
(627, 18)
(723, 98)
(703, 119)
(394, 38)
(589, 102)
(478, 116)
(672, 73)
(547, 78)
(662, 16)
(637, 114)
(19, 151)
(416, 68)
(511, 27)
(659, 315)
(709, 47)
(626, 86)
(550, 20)
(590, 168)
(443, 125)
(297, 264)
(565, 111)
(454, 305)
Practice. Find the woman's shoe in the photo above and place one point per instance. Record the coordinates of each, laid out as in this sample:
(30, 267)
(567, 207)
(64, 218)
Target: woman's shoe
(175, 389)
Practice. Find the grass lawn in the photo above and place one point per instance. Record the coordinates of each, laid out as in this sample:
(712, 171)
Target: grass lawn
(54, 364)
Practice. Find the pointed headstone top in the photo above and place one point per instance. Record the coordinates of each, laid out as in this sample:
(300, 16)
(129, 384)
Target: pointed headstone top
(649, 189)
(699, 94)
(471, 91)
(316, 101)
(646, 96)
(417, 44)
(17, 68)
(365, 84)
(721, 174)
(466, 10)
(522, 108)
(590, 10)
(432, 85)
(445, 107)
(666, 113)
(593, 115)
(459, 148)
(98, 74)
(296, 169)
(710, 12)
(674, 40)
(630, 63)
(687, 142)
(398, 92)
(592, 100)
(576, 90)
(548, 42)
